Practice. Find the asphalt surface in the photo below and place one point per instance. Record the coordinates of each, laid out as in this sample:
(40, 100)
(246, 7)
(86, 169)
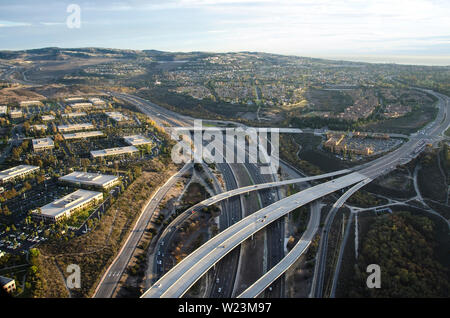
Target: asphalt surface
(278, 270)
(186, 273)
(318, 280)
(167, 287)
(111, 278)
(274, 231)
(224, 273)
(431, 133)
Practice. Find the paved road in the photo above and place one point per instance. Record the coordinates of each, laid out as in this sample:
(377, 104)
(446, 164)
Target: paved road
(225, 271)
(319, 271)
(112, 275)
(224, 195)
(163, 117)
(274, 232)
(302, 245)
(178, 280)
(337, 269)
(431, 133)
(172, 285)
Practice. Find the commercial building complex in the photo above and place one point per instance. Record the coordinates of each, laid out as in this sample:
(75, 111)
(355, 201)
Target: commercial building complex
(81, 105)
(48, 117)
(83, 134)
(30, 103)
(16, 172)
(67, 205)
(136, 140)
(70, 115)
(42, 144)
(113, 151)
(116, 116)
(39, 127)
(90, 179)
(15, 113)
(97, 101)
(74, 99)
(75, 127)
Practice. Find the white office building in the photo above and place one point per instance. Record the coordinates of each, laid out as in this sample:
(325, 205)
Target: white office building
(39, 127)
(16, 172)
(30, 103)
(83, 134)
(113, 151)
(48, 117)
(74, 99)
(75, 127)
(90, 179)
(97, 101)
(3, 110)
(136, 140)
(81, 105)
(116, 116)
(67, 205)
(71, 115)
(42, 144)
(15, 113)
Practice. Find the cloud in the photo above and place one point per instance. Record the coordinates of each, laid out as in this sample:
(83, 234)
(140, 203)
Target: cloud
(11, 24)
(52, 23)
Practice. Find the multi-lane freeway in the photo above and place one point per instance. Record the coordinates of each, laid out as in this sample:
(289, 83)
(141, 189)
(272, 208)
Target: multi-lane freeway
(225, 272)
(112, 275)
(176, 282)
(184, 274)
(302, 245)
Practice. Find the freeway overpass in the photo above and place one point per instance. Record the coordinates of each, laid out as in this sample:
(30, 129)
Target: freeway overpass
(242, 190)
(302, 245)
(261, 284)
(178, 280)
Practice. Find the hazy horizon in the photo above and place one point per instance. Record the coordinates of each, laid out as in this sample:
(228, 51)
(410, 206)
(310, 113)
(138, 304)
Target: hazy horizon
(382, 31)
(374, 59)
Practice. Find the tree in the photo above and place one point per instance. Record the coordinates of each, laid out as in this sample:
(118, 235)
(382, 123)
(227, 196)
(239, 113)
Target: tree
(27, 186)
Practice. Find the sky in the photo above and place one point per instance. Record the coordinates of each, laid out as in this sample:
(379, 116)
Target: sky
(416, 31)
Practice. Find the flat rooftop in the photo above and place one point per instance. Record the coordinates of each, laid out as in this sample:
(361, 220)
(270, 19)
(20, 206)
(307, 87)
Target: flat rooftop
(3, 109)
(96, 101)
(48, 117)
(136, 140)
(16, 171)
(30, 103)
(43, 142)
(15, 111)
(74, 99)
(73, 127)
(117, 116)
(113, 151)
(83, 134)
(81, 105)
(89, 178)
(39, 127)
(78, 114)
(69, 202)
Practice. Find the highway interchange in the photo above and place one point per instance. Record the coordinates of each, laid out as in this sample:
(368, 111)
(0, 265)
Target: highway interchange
(233, 234)
(187, 272)
(225, 272)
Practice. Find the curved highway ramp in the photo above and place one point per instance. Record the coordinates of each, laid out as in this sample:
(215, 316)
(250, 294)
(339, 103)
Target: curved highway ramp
(181, 277)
